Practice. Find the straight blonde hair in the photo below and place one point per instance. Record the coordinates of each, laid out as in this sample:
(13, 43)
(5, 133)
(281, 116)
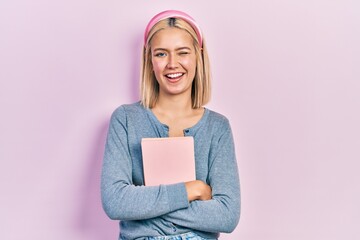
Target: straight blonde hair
(201, 86)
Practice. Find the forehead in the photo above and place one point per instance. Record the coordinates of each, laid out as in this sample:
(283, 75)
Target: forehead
(171, 37)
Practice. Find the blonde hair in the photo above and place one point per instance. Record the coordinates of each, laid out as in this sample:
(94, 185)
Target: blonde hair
(201, 86)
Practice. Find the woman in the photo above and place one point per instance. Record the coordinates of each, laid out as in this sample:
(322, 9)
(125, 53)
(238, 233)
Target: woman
(175, 86)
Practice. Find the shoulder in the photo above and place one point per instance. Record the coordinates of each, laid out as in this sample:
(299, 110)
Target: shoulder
(218, 119)
(128, 111)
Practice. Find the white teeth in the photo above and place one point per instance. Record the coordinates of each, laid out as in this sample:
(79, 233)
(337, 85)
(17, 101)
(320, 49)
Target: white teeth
(174, 75)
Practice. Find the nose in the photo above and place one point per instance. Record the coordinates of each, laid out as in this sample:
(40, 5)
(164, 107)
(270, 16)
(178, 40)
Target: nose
(172, 61)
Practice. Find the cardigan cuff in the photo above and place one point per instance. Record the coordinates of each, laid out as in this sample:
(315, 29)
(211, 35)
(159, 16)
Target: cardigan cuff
(177, 196)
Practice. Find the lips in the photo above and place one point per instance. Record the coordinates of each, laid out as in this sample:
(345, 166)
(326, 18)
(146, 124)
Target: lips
(174, 75)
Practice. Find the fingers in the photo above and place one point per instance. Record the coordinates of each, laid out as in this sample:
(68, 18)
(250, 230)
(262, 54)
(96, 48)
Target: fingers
(198, 190)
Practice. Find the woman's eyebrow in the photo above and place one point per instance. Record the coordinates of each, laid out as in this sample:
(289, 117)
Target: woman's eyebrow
(160, 49)
(177, 49)
(183, 48)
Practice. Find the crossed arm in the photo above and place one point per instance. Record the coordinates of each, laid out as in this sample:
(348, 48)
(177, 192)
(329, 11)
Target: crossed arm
(212, 207)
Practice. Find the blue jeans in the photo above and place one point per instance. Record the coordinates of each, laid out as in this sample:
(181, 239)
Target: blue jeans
(184, 236)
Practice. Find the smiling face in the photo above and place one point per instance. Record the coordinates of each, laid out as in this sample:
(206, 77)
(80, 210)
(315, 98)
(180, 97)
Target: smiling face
(174, 61)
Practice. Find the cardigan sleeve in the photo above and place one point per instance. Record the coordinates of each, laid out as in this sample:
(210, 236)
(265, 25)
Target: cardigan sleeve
(222, 212)
(121, 199)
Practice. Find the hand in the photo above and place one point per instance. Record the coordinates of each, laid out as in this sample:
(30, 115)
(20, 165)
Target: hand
(198, 190)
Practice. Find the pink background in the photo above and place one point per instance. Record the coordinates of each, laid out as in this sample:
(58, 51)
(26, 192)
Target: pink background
(286, 74)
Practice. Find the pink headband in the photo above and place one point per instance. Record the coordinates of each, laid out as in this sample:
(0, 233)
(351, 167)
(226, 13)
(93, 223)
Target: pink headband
(173, 14)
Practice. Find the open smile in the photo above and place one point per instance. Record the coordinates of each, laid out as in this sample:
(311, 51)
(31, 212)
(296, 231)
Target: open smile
(174, 77)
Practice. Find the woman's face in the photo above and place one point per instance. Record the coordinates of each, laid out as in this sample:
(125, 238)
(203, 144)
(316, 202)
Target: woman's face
(174, 61)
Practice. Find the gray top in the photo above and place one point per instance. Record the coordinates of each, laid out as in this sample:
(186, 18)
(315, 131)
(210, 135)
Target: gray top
(165, 210)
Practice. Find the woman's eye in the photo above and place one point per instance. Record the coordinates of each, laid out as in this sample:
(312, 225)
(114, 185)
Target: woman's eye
(160, 54)
(184, 53)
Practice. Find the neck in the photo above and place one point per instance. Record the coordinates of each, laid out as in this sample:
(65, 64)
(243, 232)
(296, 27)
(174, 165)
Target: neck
(174, 105)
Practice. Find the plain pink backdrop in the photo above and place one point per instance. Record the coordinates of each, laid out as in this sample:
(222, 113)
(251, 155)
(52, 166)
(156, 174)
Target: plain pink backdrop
(286, 74)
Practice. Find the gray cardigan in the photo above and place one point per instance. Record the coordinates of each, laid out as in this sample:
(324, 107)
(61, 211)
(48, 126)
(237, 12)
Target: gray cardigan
(165, 210)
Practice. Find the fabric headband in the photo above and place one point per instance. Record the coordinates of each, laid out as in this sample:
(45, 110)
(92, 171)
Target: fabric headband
(173, 14)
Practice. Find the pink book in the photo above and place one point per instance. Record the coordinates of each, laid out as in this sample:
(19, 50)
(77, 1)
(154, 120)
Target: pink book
(168, 160)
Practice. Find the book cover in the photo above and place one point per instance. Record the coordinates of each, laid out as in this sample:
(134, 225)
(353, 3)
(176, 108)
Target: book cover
(168, 160)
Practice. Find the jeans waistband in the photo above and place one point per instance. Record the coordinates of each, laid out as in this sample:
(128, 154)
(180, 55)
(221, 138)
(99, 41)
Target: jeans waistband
(184, 236)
